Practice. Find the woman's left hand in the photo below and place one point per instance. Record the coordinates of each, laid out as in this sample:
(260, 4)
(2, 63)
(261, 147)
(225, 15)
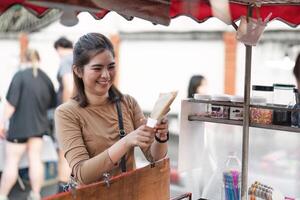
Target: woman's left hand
(162, 129)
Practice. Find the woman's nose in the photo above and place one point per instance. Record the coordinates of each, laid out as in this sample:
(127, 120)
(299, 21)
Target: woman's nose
(105, 73)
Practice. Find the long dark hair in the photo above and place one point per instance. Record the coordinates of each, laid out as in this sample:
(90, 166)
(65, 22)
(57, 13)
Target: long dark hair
(297, 68)
(194, 83)
(85, 49)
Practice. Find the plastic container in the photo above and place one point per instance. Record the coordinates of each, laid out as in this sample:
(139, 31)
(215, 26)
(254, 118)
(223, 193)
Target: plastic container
(283, 94)
(282, 117)
(206, 105)
(260, 115)
(263, 91)
(204, 97)
(219, 111)
(231, 189)
(236, 113)
(233, 163)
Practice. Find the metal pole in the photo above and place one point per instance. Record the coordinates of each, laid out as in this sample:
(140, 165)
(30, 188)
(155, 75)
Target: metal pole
(247, 84)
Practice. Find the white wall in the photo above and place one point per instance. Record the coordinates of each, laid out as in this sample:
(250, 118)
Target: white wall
(150, 67)
(9, 58)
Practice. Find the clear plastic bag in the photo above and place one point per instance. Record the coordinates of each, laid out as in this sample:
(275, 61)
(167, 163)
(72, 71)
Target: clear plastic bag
(249, 32)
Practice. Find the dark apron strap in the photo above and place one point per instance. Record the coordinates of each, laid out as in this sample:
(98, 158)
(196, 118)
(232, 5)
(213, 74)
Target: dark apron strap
(121, 133)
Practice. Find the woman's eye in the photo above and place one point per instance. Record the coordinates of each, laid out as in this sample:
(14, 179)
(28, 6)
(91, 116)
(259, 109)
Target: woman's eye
(112, 67)
(98, 69)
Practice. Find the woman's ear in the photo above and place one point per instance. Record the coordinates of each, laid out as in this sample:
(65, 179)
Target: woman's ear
(77, 71)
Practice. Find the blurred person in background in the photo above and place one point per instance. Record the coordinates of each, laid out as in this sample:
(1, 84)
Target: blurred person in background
(296, 72)
(295, 119)
(30, 95)
(197, 84)
(64, 48)
(296, 115)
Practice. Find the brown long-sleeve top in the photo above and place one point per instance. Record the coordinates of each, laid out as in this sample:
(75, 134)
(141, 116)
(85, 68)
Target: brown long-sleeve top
(85, 134)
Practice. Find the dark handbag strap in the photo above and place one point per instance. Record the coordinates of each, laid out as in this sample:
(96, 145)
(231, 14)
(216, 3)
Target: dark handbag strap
(122, 133)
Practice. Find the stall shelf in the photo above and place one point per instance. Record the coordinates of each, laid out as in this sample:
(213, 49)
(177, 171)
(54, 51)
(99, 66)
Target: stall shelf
(195, 117)
(240, 123)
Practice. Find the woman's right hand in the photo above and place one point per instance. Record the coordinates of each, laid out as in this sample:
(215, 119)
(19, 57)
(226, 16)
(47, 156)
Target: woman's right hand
(142, 137)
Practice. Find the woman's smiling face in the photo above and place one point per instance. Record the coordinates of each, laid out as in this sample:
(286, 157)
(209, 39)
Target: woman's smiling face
(99, 74)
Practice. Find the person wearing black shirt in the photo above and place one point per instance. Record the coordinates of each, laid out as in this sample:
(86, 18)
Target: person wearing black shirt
(30, 95)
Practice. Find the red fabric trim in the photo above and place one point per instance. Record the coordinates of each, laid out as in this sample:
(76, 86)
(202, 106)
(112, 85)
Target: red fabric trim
(197, 10)
(6, 4)
(201, 11)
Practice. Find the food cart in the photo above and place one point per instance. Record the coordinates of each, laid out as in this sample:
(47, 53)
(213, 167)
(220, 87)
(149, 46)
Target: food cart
(161, 12)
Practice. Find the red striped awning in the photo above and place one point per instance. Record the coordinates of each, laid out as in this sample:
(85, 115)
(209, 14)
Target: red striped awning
(287, 11)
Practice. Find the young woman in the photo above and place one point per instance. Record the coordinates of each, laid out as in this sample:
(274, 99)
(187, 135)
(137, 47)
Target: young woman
(197, 84)
(88, 125)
